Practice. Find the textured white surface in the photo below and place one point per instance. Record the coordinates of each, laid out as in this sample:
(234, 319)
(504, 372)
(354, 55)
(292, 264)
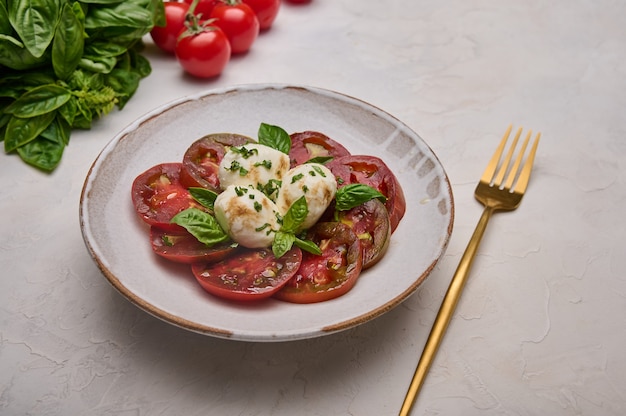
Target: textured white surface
(541, 326)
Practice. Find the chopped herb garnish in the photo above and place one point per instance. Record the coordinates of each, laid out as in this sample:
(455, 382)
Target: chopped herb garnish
(240, 191)
(267, 164)
(244, 151)
(319, 170)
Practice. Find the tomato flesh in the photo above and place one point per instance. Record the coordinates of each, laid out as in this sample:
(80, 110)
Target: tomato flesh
(201, 160)
(329, 275)
(370, 222)
(181, 247)
(372, 171)
(158, 195)
(248, 274)
(309, 144)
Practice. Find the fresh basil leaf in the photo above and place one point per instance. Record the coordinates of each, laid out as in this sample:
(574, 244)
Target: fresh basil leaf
(58, 131)
(104, 49)
(320, 159)
(5, 25)
(295, 216)
(125, 15)
(282, 243)
(158, 10)
(69, 41)
(309, 246)
(99, 64)
(22, 130)
(17, 57)
(141, 64)
(34, 22)
(274, 137)
(205, 197)
(69, 110)
(124, 82)
(42, 153)
(201, 225)
(38, 101)
(353, 195)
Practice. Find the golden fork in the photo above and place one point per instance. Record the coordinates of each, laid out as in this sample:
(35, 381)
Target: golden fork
(495, 194)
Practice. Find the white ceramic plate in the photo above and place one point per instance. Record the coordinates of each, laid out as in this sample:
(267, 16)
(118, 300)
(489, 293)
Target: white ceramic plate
(118, 240)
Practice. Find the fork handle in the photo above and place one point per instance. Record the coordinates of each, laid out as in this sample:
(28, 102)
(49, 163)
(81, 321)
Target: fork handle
(446, 310)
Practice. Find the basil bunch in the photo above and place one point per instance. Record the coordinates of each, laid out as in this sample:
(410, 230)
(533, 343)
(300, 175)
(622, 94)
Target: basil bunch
(65, 63)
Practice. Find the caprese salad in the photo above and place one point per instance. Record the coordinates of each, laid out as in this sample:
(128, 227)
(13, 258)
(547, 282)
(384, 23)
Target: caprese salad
(295, 217)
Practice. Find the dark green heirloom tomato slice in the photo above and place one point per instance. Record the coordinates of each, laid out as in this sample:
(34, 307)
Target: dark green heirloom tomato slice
(331, 274)
(307, 145)
(248, 274)
(370, 223)
(182, 247)
(372, 171)
(158, 195)
(202, 159)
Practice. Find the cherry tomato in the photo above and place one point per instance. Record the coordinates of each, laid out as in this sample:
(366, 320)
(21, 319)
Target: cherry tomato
(203, 8)
(329, 275)
(201, 160)
(309, 144)
(372, 171)
(265, 10)
(248, 274)
(181, 247)
(158, 195)
(165, 36)
(238, 22)
(370, 223)
(203, 53)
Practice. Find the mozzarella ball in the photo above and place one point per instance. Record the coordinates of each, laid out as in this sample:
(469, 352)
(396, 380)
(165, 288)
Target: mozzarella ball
(252, 164)
(247, 215)
(315, 182)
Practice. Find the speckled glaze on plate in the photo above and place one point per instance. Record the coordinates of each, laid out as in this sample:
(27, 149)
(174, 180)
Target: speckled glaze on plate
(118, 240)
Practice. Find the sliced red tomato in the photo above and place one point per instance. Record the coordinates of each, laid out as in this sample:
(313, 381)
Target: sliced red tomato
(307, 145)
(158, 195)
(238, 22)
(265, 10)
(372, 171)
(165, 37)
(370, 223)
(248, 274)
(181, 247)
(201, 160)
(331, 274)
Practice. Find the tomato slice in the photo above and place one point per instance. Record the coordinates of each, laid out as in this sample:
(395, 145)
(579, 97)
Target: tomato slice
(181, 247)
(158, 195)
(370, 222)
(309, 144)
(331, 274)
(248, 274)
(372, 171)
(202, 159)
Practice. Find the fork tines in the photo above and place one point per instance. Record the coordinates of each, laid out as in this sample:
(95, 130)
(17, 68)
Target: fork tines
(499, 174)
